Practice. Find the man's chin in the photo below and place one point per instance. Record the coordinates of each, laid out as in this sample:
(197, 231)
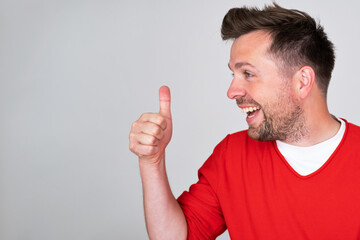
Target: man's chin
(256, 134)
(252, 133)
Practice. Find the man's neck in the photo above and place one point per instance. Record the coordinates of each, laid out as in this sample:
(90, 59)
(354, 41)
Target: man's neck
(318, 132)
(319, 124)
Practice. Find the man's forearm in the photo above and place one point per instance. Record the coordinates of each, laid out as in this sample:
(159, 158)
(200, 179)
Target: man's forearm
(163, 215)
(149, 136)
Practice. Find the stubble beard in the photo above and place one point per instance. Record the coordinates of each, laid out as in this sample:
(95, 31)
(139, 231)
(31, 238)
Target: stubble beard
(286, 123)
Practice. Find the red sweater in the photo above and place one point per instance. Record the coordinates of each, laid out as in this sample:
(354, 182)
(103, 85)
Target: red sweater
(249, 188)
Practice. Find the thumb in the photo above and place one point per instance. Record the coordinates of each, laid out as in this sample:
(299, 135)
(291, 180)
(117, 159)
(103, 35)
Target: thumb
(165, 100)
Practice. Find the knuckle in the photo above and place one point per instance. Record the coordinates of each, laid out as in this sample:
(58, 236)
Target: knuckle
(153, 140)
(134, 125)
(151, 150)
(132, 138)
(132, 147)
(145, 115)
(159, 119)
(156, 131)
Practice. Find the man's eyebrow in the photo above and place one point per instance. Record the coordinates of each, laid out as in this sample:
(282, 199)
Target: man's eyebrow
(241, 64)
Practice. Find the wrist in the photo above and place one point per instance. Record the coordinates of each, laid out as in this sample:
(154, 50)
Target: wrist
(157, 162)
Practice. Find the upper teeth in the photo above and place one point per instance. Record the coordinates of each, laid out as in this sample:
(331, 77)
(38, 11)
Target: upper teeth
(250, 109)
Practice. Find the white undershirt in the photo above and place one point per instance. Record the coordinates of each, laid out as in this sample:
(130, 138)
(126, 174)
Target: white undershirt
(306, 160)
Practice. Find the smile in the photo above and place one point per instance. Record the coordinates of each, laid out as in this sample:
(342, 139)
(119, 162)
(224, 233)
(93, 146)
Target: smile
(251, 112)
(250, 109)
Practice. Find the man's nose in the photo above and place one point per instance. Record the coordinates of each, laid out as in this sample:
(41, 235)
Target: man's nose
(236, 89)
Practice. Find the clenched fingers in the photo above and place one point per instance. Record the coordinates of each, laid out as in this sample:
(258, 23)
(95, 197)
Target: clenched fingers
(151, 125)
(154, 118)
(145, 139)
(152, 129)
(143, 150)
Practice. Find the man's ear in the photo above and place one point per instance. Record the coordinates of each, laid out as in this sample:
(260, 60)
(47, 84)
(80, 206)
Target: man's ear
(305, 78)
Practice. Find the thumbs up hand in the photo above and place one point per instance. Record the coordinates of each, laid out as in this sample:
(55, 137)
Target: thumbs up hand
(152, 132)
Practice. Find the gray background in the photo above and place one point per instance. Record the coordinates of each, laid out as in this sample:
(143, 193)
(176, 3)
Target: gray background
(75, 74)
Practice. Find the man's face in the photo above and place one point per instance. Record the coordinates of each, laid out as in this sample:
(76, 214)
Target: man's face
(259, 88)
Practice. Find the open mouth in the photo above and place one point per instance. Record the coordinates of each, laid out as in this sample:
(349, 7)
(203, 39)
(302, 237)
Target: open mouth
(251, 111)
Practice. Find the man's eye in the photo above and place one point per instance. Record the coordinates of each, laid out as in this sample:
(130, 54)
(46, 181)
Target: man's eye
(247, 75)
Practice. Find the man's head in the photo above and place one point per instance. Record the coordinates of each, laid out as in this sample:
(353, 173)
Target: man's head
(278, 55)
(296, 39)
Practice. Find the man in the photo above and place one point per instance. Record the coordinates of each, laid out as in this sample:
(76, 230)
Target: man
(293, 174)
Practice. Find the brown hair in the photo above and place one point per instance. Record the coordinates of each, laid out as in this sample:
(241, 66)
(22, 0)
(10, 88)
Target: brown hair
(297, 39)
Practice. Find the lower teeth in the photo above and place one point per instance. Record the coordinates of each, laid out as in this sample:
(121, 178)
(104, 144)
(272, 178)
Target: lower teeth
(252, 114)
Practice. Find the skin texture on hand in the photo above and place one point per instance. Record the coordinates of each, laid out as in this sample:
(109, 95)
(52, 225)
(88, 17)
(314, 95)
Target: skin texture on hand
(152, 132)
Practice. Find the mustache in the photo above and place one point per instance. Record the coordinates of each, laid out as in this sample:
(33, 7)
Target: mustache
(249, 101)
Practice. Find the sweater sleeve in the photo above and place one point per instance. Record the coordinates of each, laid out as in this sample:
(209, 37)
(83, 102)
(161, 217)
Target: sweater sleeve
(201, 205)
